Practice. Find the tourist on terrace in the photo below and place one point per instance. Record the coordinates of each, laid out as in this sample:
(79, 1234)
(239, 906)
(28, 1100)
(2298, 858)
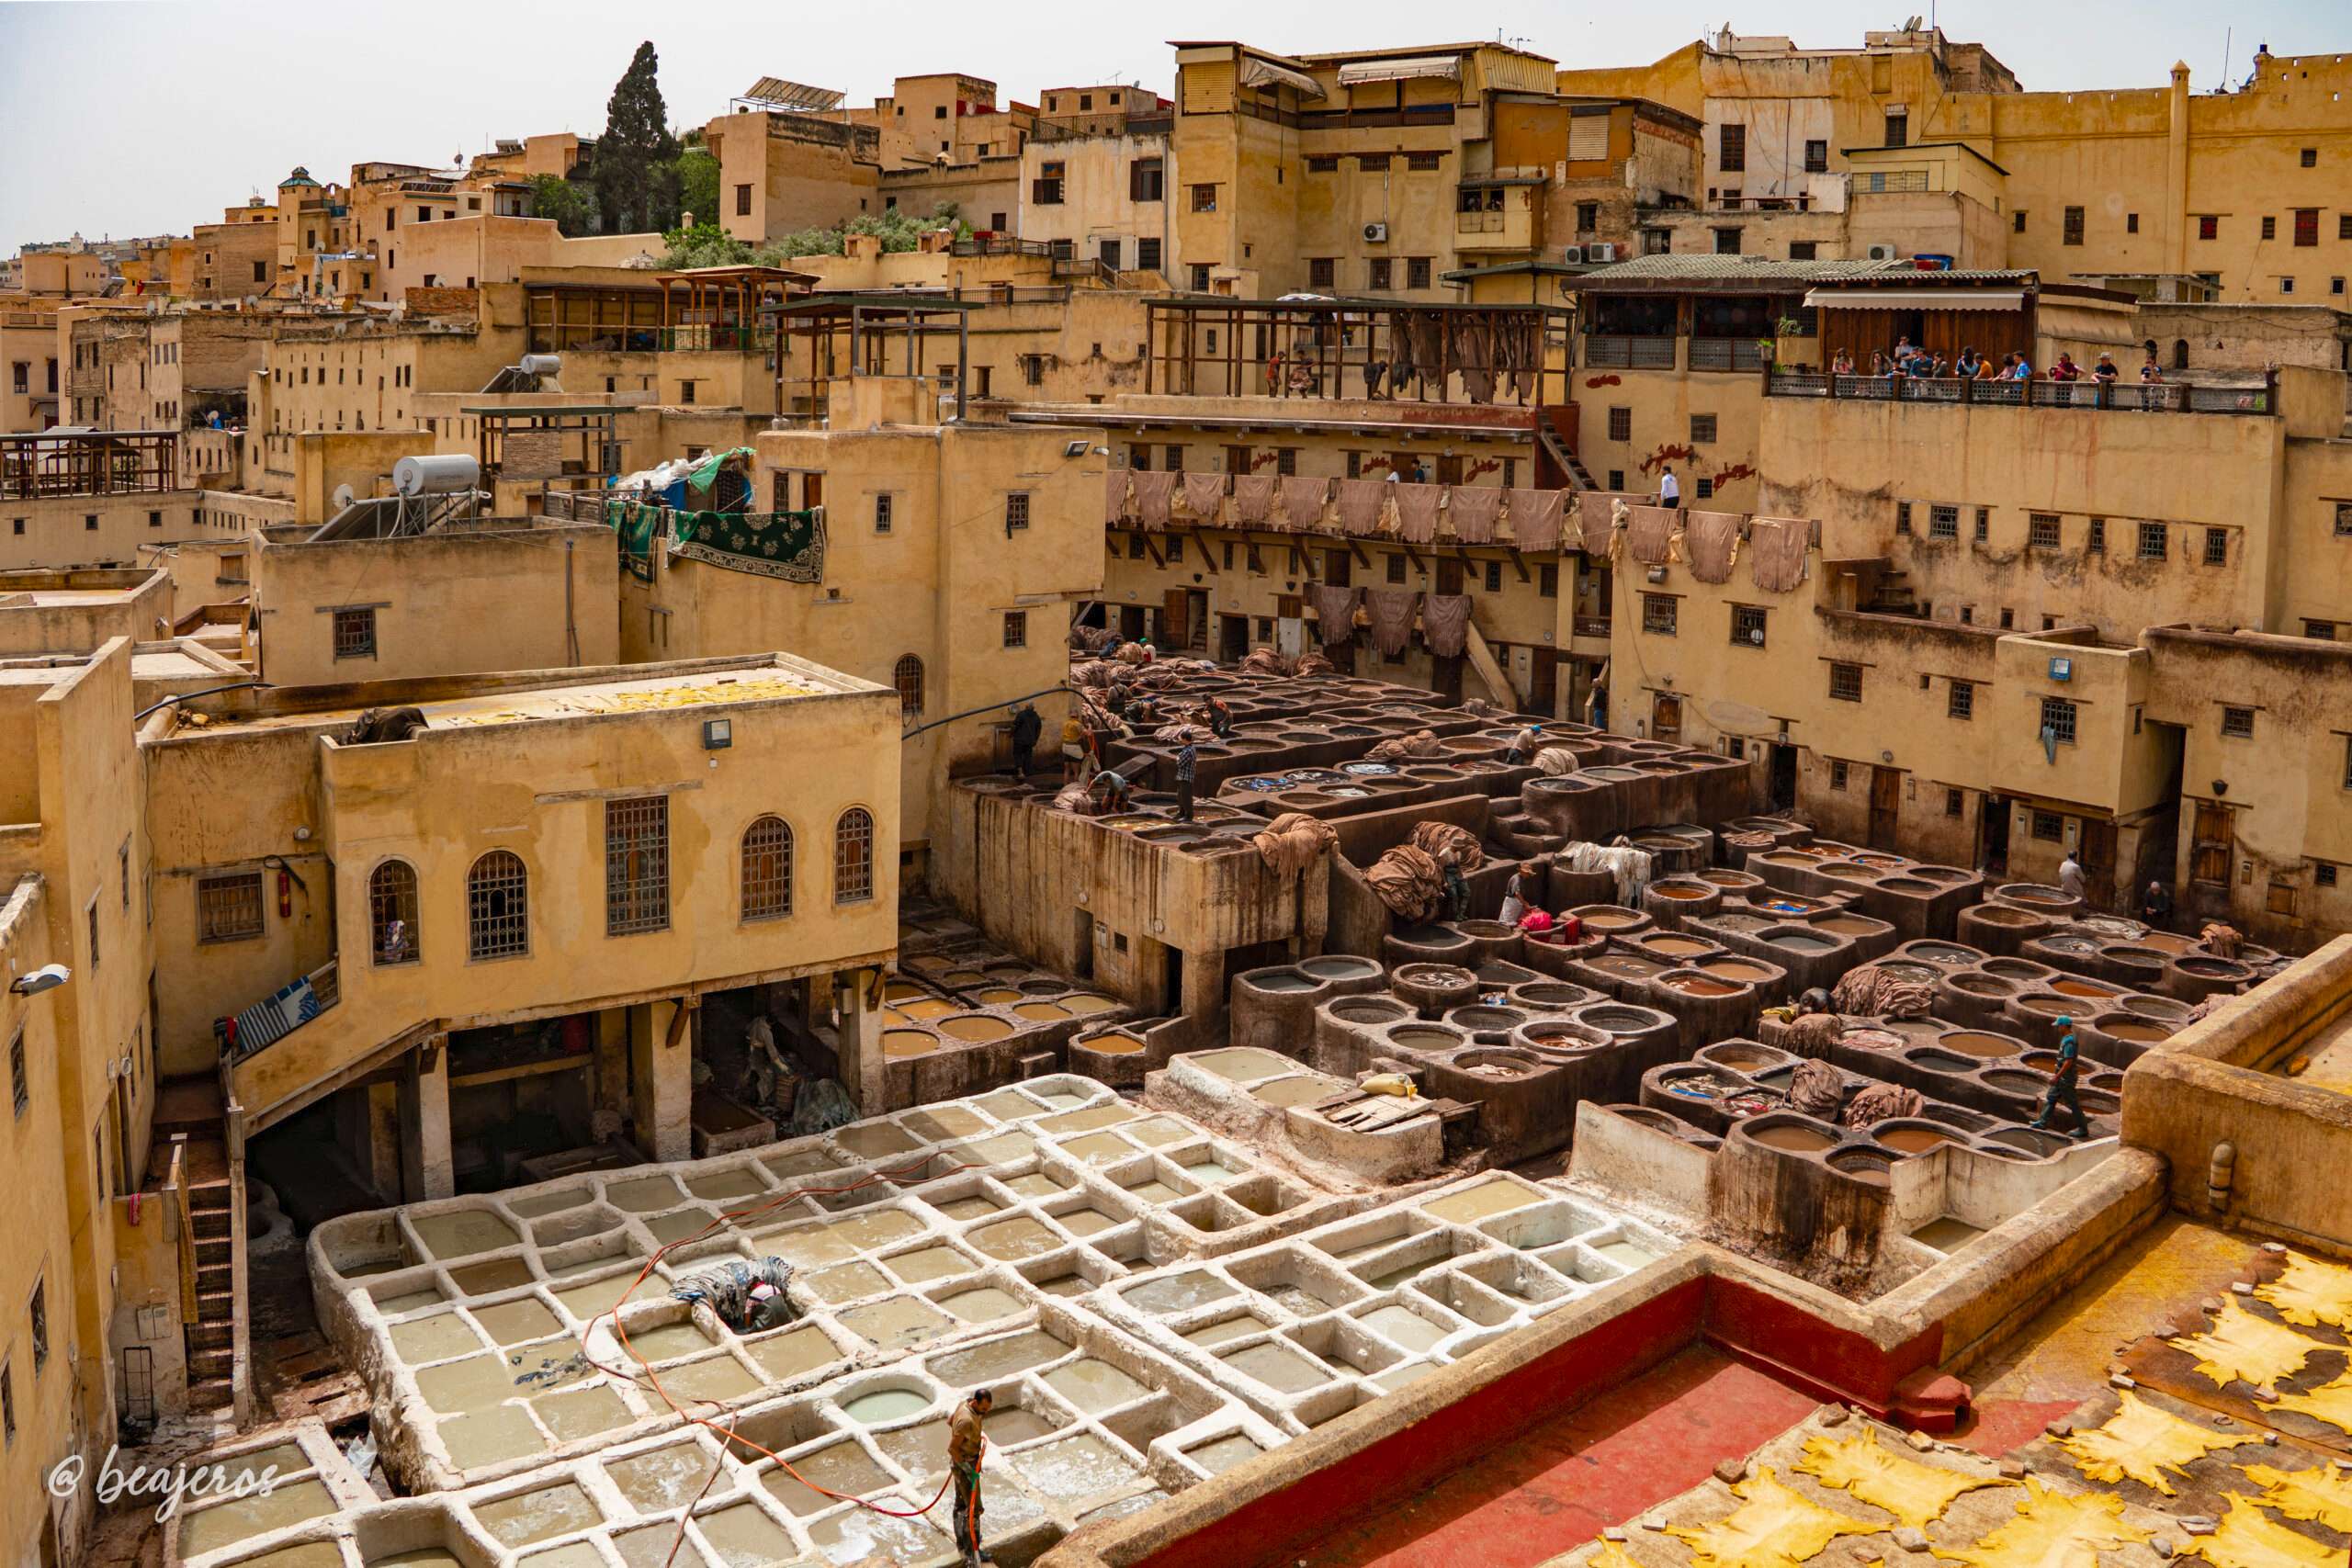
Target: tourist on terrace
(1073, 749)
(1967, 365)
(2105, 370)
(1669, 489)
(1275, 386)
(2066, 369)
(1843, 365)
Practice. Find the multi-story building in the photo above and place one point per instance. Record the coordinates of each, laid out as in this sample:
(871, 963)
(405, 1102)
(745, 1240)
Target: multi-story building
(1915, 144)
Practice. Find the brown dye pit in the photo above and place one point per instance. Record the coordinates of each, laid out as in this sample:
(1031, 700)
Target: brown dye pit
(1741, 1061)
(972, 1027)
(1912, 1140)
(1790, 1137)
(1040, 1013)
(1684, 946)
(1848, 925)
(1736, 969)
(2085, 988)
(1691, 985)
(2048, 1006)
(1975, 1043)
(1667, 890)
(899, 1044)
(1609, 922)
(2147, 1033)
(1113, 1045)
(1627, 964)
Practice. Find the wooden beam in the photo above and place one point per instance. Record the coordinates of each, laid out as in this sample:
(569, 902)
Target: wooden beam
(1356, 550)
(1153, 551)
(1519, 563)
(1208, 555)
(1415, 557)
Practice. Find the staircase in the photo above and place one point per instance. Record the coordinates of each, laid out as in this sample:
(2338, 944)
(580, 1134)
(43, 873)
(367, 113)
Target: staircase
(1558, 449)
(1891, 595)
(209, 1327)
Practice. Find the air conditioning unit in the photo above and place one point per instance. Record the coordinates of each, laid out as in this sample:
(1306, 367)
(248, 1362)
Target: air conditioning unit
(1376, 233)
(1600, 251)
(1572, 252)
(1882, 253)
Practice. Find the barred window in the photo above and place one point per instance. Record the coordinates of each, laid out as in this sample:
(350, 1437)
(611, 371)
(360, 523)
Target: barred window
(1658, 614)
(854, 856)
(498, 921)
(2095, 540)
(19, 1082)
(2152, 541)
(907, 677)
(1396, 567)
(1016, 510)
(636, 865)
(1955, 803)
(1983, 524)
(1943, 522)
(882, 508)
(355, 634)
(228, 908)
(1846, 682)
(767, 869)
(1903, 517)
(1963, 702)
(2217, 547)
(1620, 424)
(2049, 827)
(1702, 429)
(2238, 723)
(1837, 775)
(2042, 532)
(391, 913)
(2058, 719)
(41, 1325)
(1016, 628)
(1747, 625)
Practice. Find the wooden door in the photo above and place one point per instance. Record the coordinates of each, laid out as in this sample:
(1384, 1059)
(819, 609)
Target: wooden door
(2208, 854)
(2097, 856)
(1543, 683)
(1886, 804)
(1449, 469)
(812, 492)
(1172, 630)
(1449, 575)
(1665, 716)
(1233, 638)
(1196, 620)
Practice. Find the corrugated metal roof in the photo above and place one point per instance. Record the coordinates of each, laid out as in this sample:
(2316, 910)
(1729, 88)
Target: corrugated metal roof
(1713, 269)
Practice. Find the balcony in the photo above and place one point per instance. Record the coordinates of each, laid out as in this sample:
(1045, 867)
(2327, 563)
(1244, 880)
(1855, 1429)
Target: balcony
(1494, 231)
(2246, 397)
(1727, 354)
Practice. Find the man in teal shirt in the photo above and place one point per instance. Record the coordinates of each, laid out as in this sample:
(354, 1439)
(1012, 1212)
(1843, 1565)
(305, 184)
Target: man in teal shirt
(2062, 1078)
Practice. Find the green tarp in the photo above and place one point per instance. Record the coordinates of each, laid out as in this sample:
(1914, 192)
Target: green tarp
(789, 545)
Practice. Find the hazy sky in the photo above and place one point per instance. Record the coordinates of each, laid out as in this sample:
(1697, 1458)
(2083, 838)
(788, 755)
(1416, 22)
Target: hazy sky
(144, 118)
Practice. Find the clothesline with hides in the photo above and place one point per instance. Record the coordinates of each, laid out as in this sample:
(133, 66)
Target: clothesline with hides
(1517, 517)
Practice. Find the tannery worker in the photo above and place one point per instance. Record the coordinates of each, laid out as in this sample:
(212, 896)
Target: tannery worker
(1188, 760)
(2062, 1078)
(1522, 747)
(965, 1442)
(1026, 727)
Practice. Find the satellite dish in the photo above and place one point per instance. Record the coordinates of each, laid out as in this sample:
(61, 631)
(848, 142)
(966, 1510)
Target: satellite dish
(1738, 718)
(342, 497)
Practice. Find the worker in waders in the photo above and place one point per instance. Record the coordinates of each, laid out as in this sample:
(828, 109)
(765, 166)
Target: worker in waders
(2062, 1080)
(965, 1442)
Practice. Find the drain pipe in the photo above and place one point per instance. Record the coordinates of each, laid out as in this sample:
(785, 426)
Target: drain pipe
(2219, 1176)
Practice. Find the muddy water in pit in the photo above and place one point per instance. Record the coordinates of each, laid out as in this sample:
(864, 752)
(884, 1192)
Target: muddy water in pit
(1971, 1043)
(2085, 988)
(943, 1122)
(898, 1323)
(1099, 1148)
(1801, 1140)
(900, 1044)
(1294, 1092)
(929, 1008)
(929, 1263)
(975, 1028)
(1848, 925)
(790, 1354)
(1403, 1327)
(1474, 1204)
(1018, 1237)
(462, 1232)
(1279, 1367)
(1208, 1172)
(1041, 1012)
(1241, 1062)
(1283, 980)
(1095, 1386)
(1627, 964)
(974, 1208)
(1088, 1120)
(1612, 922)
(1084, 1003)
(842, 1468)
(886, 1405)
(1074, 1468)
(534, 1515)
(1734, 968)
(1155, 1192)
(209, 1529)
(517, 1323)
(1690, 984)
(1222, 1455)
(1626, 1254)
(1803, 942)
(435, 1339)
(662, 1479)
(1037, 1184)
(1912, 1140)
(1176, 1293)
(1058, 1099)
(846, 1281)
(1113, 1045)
(2048, 1006)
(1089, 1221)
(985, 1304)
(2147, 1033)
(1742, 1061)
(1680, 946)
(998, 1358)
(424, 1557)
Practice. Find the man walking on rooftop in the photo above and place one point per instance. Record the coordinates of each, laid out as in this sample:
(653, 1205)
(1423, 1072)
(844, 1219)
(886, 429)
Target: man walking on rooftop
(2062, 1081)
(1187, 760)
(1669, 491)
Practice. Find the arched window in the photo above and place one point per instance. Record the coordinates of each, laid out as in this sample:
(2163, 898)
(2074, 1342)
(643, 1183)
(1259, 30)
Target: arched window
(392, 912)
(498, 916)
(2180, 353)
(767, 869)
(908, 678)
(854, 856)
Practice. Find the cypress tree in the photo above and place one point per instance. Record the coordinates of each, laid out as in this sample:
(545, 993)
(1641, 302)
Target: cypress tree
(635, 185)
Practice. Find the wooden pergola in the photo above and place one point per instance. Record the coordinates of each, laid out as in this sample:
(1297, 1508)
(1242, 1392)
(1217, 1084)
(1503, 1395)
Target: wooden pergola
(849, 334)
(543, 437)
(1209, 345)
(722, 306)
(87, 462)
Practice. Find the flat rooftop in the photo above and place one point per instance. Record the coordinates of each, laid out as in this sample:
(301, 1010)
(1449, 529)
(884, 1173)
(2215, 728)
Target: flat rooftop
(473, 701)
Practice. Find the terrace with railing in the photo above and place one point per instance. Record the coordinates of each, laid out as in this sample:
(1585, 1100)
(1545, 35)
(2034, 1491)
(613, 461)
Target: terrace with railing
(2248, 395)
